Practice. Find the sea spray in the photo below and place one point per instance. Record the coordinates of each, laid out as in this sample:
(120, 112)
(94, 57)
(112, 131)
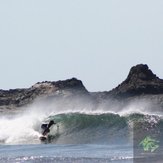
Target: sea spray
(20, 128)
(79, 120)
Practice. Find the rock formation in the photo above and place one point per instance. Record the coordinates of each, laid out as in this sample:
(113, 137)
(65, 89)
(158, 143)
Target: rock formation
(140, 82)
(19, 97)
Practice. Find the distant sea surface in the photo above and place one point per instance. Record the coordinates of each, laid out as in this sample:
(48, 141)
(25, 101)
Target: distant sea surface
(86, 153)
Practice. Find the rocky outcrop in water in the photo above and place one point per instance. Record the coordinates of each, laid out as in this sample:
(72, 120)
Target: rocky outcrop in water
(19, 97)
(141, 82)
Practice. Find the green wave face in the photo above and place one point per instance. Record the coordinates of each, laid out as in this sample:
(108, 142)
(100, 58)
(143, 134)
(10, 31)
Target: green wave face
(107, 128)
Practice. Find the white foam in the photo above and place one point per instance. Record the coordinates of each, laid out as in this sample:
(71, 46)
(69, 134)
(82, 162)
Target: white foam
(20, 128)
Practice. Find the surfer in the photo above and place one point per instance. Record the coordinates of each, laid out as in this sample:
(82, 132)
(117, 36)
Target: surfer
(46, 127)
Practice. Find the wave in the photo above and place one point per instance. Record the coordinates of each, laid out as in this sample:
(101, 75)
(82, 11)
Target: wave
(80, 128)
(82, 121)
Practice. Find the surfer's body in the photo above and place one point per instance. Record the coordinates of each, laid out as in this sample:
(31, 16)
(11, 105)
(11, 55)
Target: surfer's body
(45, 130)
(46, 127)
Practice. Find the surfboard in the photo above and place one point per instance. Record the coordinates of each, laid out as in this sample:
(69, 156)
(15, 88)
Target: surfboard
(43, 138)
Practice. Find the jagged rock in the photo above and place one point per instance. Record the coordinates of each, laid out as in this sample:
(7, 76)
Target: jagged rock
(140, 80)
(20, 97)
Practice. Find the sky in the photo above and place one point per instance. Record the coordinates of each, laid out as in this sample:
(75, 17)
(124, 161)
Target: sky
(96, 41)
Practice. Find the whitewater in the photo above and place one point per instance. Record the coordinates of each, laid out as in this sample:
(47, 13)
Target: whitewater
(83, 133)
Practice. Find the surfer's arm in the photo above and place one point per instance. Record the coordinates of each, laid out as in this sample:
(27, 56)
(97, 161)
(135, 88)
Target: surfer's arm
(46, 131)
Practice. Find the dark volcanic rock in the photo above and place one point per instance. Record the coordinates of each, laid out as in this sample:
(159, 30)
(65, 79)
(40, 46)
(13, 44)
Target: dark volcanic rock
(20, 97)
(140, 80)
(140, 83)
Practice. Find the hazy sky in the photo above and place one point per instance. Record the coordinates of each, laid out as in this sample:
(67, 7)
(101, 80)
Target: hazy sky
(96, 41)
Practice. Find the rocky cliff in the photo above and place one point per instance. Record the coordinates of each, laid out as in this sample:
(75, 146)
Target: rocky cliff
(141, 82)
(19, 97)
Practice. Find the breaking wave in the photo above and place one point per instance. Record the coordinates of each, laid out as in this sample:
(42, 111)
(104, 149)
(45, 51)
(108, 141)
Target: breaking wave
(81, 122)
(78, 128)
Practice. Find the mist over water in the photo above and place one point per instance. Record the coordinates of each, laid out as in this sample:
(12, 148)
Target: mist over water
(80, 120)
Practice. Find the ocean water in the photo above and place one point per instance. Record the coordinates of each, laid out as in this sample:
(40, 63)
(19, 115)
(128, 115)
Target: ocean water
(86, 153)
(82, 135)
